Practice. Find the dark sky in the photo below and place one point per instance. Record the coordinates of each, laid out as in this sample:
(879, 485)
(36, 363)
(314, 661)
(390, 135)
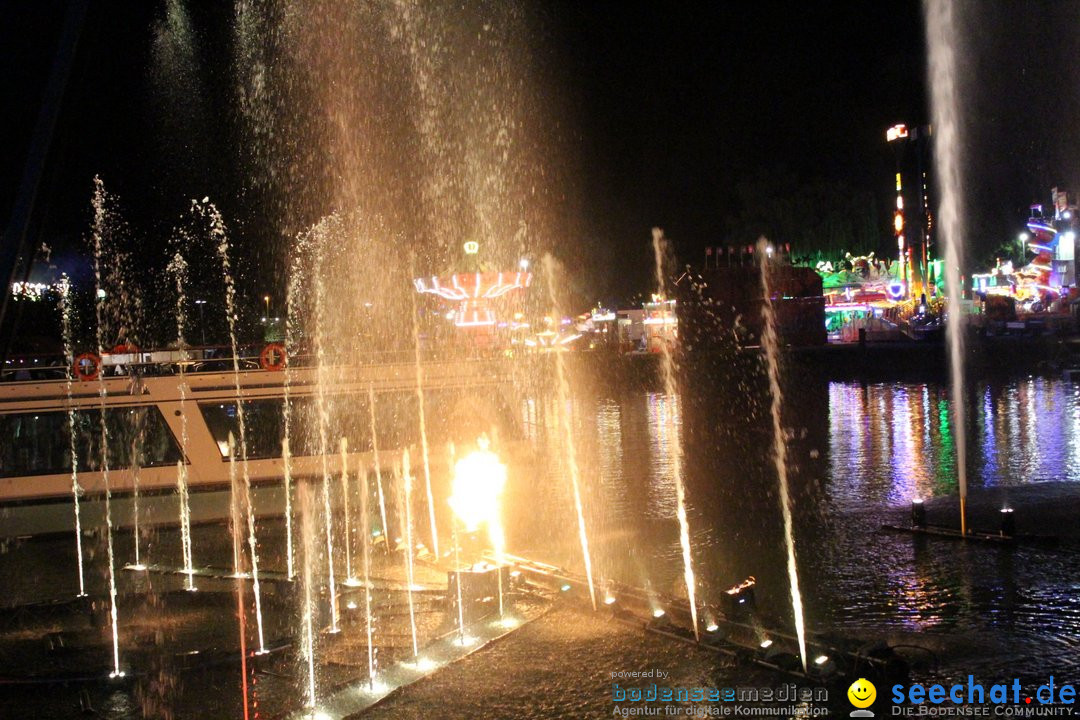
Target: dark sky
(664, 107)
(678, 100)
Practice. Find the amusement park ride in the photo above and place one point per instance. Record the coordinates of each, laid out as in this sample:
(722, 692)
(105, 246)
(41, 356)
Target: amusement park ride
(1046, 282)
(477, 299)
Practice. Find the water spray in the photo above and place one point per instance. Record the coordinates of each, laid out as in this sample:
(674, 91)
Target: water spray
(378, 467)
(667, 365)
(98, 235)
(941, 36)
(771, 343)
(567, 436)
(69, 360)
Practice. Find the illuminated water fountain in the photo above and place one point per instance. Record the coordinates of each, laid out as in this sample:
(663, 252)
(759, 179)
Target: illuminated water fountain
(307, 582)
(667, 368)
(220, 239)
(494, 208)
(406, 517)
(941, 35)
(99, 230)
(771, 344)
(346, 515)
(178, 269)
(69, 363)
(136, 438)
(423, 428)
(384, 531)
(236, 510)
(567, 434)
(293, 301)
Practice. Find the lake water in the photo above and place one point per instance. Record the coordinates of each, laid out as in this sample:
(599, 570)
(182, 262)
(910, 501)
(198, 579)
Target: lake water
(859, 452)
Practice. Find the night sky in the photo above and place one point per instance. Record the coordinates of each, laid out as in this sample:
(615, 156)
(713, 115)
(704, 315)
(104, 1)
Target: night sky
(663, 109)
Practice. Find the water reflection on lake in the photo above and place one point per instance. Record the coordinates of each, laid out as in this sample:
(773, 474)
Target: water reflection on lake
(858, 454)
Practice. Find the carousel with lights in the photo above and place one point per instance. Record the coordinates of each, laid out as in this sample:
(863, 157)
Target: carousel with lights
(480, 302)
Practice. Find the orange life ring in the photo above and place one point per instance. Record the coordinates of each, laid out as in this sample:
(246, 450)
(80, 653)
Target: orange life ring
(87, 367)
(273, 357)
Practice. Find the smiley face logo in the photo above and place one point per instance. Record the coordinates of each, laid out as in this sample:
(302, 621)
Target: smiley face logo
(862, 693)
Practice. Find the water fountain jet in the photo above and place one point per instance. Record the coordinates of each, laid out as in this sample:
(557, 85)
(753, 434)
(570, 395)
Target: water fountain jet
(406, 484)
(365, 531)
(423, 426)
(69, 361)
(323, 412)
(292, 302)
(221, 240)
(378, 467)
(771, 343)
(344, 444)
(178, 269)
(307, 609)
(667, 367)
(135, 472)
(567, 435)
(941, 36)
(98, 238)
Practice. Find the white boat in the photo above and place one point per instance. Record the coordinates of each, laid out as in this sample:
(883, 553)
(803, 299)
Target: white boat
(146, 417)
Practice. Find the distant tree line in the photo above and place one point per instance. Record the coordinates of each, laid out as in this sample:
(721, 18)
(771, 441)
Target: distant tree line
(820, 219)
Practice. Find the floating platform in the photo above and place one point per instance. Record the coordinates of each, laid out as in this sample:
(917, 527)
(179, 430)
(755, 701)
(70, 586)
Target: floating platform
(951, 533)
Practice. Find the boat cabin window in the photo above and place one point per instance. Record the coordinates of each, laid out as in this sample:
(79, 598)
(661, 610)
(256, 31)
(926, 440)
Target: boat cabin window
(39, 443)
(457, 415)
(349, 416)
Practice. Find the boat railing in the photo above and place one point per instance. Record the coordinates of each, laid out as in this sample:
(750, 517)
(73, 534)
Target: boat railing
(220, 359)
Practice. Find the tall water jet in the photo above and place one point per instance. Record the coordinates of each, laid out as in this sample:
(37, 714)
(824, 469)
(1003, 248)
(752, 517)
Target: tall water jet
(307, 609)
(185, 524)
(73, 447)
(406, 485)
(328, 519)
(178, 269)
(365, 532)
(941, 38)
(457, 562)
(771, 343)
(667, 369)
(349, 579)
(253, 549)
(236, 511)
(221, 241)
(292, 308)
(286, 462)
(136, 469)
(423, 427)
(100, 218)
(323, 412)
(378, 467)
(241, 615)
(567, 434)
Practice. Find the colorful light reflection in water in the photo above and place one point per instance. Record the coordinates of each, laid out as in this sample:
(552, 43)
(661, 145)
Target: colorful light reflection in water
(892, 442)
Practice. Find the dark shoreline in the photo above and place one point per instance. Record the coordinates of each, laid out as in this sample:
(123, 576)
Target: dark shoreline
(984, 356)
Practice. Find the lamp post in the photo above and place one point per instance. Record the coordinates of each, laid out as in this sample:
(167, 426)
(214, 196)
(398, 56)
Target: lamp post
(202, 319)
(1023, 248)
(893, 135)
